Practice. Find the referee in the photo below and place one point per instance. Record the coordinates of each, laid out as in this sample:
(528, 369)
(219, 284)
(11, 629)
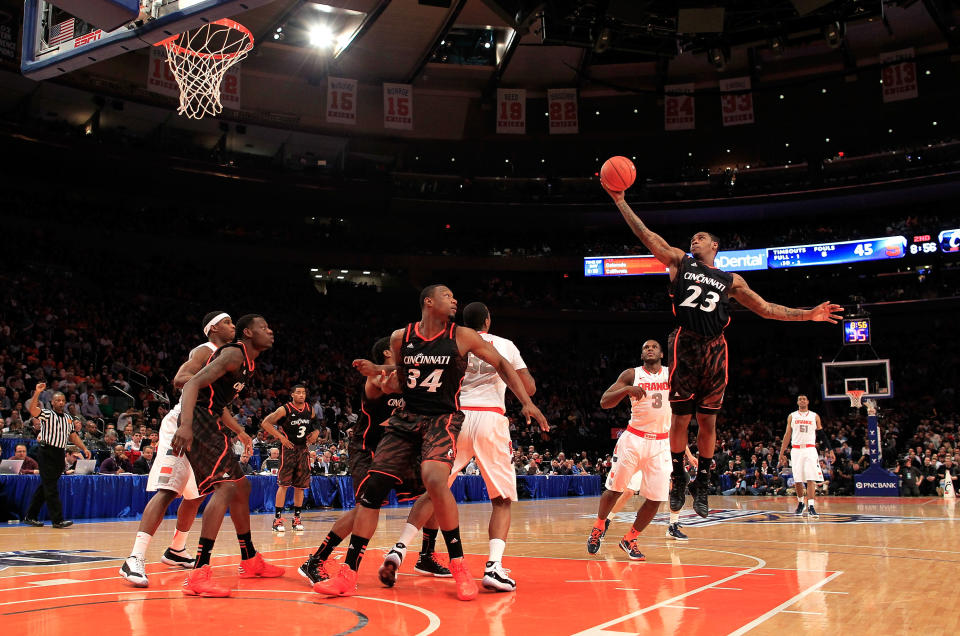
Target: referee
(56, 428)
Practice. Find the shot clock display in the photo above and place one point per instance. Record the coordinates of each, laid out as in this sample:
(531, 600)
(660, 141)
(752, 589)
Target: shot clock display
(856, 331)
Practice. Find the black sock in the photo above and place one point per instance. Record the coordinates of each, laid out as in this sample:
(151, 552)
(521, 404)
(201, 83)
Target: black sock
(279, 512)
(454, 546)
(677, 462)
(296, 511)
(703, 468)
(429, 540)
(247, 551)
(326, 548)
(204, 550)
(358, 545)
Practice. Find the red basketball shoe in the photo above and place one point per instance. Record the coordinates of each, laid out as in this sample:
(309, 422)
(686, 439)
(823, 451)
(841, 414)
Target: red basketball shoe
(343, 584)
(466, 586)
(257, 567)
(200, 582)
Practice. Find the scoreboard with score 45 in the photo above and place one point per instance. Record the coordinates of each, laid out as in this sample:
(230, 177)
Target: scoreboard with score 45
(856, 331)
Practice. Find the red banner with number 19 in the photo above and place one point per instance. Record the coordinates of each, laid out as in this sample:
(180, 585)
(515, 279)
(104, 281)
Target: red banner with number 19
(512, 111)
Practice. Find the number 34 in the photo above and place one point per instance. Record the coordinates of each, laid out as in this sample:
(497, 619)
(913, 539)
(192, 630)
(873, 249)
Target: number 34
(709, 301)
(432, 381)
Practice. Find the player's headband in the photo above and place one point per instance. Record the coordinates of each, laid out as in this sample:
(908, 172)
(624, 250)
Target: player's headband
(213, 321)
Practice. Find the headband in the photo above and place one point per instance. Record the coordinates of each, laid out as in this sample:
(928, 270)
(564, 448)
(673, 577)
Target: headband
(213, 321)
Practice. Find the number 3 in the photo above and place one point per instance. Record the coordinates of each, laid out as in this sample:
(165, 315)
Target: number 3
(709, 302)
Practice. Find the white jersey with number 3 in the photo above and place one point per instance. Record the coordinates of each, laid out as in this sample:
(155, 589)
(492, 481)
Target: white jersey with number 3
(651, 413)
(803, 428)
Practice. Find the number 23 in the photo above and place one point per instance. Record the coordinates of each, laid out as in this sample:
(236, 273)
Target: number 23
(709, 301)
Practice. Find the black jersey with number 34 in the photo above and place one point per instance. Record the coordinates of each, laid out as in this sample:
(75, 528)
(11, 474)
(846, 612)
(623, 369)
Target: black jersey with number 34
(431, 371)
(700, 297)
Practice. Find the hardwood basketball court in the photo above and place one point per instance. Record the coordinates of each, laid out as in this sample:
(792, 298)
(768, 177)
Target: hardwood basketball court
(751, 567)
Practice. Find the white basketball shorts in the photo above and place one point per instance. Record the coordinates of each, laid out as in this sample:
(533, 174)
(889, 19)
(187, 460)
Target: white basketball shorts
(642, 465)
(805, 464)
(486, 436)
(170, 471)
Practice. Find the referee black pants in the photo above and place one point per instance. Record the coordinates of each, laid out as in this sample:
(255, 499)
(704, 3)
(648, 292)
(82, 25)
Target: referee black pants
(51, 467)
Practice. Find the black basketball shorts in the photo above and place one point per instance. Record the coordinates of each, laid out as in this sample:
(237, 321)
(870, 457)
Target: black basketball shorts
(698, 372)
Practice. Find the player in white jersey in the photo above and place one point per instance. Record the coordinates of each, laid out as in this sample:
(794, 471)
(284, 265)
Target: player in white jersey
(485, 435)
(643, 448)
(801, 435)
(673, 528)
(171, 475)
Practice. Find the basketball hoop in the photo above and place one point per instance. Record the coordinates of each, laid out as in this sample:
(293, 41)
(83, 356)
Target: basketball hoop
(855, 398)
(199, 59)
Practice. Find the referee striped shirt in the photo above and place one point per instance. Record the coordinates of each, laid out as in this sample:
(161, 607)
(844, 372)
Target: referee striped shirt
(55, 428)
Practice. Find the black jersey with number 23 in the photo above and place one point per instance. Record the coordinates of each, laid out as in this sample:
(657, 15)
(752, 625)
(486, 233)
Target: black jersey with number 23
(700, 297)
(431, 371)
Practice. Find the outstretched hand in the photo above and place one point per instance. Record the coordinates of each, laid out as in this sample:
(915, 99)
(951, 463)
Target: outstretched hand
(616, 195)
(365, 367)
(827, 312)
(531, 411)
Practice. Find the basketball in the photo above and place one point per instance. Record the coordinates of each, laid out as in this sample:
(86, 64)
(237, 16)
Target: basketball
(618, 173)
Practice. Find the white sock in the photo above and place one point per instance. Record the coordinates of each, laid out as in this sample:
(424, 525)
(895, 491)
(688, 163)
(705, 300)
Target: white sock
(179, 541)
(407, 534)
(799, 498)
(674, 516)
(141, 544)
(810, 502)
(497, 546)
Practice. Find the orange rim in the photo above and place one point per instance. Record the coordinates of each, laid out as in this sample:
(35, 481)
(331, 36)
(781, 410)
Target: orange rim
(170, 45)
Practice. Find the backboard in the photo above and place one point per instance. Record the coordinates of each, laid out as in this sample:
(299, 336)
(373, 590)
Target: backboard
(55, 42)
(872, 376)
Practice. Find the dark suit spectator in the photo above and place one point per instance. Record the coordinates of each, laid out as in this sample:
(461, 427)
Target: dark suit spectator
(142, 465)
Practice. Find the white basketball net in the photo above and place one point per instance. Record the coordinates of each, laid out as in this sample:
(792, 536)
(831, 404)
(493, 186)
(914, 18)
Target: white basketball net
(855, 398)
(200, 58)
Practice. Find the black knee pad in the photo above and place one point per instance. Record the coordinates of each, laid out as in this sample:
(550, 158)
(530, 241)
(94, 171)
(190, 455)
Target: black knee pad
(374, 489)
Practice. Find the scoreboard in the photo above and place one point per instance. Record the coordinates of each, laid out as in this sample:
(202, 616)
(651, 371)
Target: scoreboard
(856, 331)
(837, 253)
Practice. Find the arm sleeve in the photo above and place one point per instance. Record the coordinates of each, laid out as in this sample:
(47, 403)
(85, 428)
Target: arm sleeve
(44, 416)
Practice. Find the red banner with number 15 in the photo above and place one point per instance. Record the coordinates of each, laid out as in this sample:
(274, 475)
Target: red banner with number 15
(512, 111)
(398, 106)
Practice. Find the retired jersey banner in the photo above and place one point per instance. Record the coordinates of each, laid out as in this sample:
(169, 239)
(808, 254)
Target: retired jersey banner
(736, 106)
(899, 75)
(512, 111)
(678, 110)
(562, 109)
(160, 79)
(398, 106)
(341, 101)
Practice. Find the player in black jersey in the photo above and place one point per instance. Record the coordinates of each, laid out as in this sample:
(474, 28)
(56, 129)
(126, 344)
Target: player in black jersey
(376, 407)
(430, 361)
(202, 436)
(298, 429)
(697, 350)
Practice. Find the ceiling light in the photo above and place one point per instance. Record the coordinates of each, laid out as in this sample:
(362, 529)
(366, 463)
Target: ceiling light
(321, 36)
(366, 273)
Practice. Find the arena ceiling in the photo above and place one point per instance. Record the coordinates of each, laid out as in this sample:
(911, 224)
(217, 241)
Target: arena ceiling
(602, 47)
